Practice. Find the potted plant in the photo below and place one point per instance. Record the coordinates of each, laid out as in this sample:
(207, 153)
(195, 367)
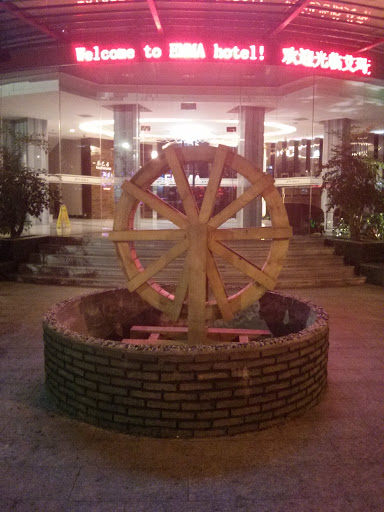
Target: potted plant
(351, 180)
(353, 184)
(23, 192)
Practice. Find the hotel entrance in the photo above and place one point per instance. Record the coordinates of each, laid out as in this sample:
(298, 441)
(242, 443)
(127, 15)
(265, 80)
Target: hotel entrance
(100, 134)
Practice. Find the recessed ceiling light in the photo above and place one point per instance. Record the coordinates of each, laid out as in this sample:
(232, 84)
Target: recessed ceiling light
(72, 130)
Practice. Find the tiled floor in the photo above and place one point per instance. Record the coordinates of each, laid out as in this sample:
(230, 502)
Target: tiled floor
(330, 460)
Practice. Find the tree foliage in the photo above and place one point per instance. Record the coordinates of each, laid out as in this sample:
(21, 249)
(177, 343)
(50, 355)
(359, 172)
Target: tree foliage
(351, 180)
(22, 191)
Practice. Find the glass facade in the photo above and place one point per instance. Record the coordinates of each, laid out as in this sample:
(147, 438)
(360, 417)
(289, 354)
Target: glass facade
(97, 135)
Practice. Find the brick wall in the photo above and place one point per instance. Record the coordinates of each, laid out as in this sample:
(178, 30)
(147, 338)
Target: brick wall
(186, 391)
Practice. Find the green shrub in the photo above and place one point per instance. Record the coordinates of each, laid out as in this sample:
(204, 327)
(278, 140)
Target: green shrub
(22, 191)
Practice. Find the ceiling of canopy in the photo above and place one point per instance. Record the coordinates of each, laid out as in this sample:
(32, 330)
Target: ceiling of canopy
(33, 34)
(357, 26)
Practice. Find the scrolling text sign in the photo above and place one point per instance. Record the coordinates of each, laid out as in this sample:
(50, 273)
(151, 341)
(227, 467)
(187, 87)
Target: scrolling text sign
(290, 56)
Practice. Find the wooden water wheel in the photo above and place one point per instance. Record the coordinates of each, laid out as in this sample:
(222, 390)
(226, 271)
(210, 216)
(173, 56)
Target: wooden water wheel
(197, 235)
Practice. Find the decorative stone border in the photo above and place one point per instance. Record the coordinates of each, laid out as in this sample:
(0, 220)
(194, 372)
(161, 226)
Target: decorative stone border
(182, 391)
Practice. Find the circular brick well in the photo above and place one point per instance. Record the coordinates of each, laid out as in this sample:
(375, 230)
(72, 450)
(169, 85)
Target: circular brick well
(182, 391)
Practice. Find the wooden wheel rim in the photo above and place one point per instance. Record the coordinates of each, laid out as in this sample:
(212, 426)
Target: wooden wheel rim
(135, 190)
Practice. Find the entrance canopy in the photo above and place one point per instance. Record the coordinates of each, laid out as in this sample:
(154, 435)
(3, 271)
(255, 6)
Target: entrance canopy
(37, 32)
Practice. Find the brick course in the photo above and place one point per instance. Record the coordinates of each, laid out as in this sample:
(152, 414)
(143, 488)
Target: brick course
(186, 392)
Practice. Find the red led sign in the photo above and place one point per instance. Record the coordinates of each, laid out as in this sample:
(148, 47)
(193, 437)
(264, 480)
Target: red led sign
(291, 56)
(251, 53)
(97, 54)
(183, 51)
(319, 59)
(98, 1)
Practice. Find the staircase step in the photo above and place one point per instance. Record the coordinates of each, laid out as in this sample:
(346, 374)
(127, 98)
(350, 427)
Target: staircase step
(93, 262)
(91, 282)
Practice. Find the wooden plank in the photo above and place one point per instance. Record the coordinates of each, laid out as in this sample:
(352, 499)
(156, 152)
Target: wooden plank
(183, 188)
(276, 207)
(147, 234)
(146, 291)
(252, 233)
(218, 288)
(157, 204)
(202, 153)
(255, 190)
(142, 330)
(123, 209)
(181, 329)
(180, 293)
(157, 265)
(154, 336)
(242, 264)
(213, 184)
(245, 168)
(197, 295)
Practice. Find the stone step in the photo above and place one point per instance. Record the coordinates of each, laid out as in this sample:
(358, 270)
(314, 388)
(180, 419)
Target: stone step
(156, 252)
(102, 261)
(91, 282)
(81, 263)
(94, 241)
(171, 274)
(145, 258)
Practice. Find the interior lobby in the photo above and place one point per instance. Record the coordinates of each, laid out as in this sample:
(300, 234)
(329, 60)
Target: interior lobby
(107, 107)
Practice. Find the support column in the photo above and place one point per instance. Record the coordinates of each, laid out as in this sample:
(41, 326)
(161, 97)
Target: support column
(336, 131)
(251, 146)
(126, 144)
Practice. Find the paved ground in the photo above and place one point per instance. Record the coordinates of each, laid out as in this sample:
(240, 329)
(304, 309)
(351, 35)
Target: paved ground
(330, 460)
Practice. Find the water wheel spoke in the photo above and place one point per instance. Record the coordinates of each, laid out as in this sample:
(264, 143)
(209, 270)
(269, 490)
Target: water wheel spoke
(183, 187)
(253, 233)
(180, 293)
(147, 234)
(157, 204)
(218, 288)
(197, 283)
(157, 265)
(262, 184)
(213, 184)
(242, 264)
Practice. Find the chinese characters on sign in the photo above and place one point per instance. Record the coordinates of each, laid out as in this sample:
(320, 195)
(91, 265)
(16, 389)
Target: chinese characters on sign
(319, 59)
(104, 167)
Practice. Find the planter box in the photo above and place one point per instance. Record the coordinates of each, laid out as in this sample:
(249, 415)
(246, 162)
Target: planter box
(374, 273)
(357, 252)
(18, 250)
(13, 252)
